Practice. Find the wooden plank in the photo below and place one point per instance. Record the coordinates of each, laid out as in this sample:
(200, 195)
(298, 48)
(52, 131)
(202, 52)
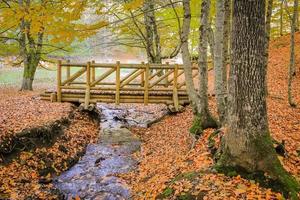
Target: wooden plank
(139, 72)
(118, 82)
(166, 82)
(93, 71)
(146, 86)
(175, 92)
(128, 75)
(68, 70)
(155, 74)
(74, 76)
(161, 78)
(88, 86)
(143, 76)
(59, 81)
(103, 76)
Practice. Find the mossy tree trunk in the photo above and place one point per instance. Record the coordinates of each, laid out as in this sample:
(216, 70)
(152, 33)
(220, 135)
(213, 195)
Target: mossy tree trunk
(204, 115)
(30, 50)
(247, 142)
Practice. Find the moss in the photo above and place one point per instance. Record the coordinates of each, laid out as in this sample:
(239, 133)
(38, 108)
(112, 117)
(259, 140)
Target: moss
(186, 196)
(187, 176)
(166, 193)
(277, 177)
(196, 128)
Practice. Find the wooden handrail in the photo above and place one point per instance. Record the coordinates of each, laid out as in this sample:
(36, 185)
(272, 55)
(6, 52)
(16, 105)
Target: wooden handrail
(143, 82)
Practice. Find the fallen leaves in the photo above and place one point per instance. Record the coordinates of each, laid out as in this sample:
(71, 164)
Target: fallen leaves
(29, 175)
(166, 152)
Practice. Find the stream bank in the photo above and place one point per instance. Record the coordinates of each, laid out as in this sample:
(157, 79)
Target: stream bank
(95, 176)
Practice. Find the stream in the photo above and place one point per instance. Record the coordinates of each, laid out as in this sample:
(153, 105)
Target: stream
(95, 176)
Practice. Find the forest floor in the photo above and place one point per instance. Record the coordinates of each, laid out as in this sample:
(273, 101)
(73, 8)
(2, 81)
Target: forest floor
(168, 167)
(38, 139)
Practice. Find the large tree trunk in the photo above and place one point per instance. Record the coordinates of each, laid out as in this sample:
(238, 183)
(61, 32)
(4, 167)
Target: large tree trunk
(204, 114)
(220, 68)
(268, 32)
(186, 58)
(247, 142)
(292, 68)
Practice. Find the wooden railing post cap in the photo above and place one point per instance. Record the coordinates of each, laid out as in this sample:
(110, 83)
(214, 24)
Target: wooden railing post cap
(118, 62)
(59, 62)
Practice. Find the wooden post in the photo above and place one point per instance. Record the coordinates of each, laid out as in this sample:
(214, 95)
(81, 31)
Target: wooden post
(143, 75)
(88, 86)
(166, 81)
(175, 90)
(59, 81)
(118, 82)
(93, 71)
(68, 72)
(146, 86)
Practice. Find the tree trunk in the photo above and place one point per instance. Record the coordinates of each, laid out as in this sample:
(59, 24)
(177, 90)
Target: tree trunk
(186, 57)
(292, 68)
(281, 18)
(204, 115)
(296, 12)
(220, 68)
(268, 32)
(247, 142)
(30, 50)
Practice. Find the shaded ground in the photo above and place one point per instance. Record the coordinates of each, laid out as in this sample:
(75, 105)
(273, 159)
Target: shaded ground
(166, 152)
(29, 173)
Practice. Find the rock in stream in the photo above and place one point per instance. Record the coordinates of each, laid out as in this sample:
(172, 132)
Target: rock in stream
(95, 175)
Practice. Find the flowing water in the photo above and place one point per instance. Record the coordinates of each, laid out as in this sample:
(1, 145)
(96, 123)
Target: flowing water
(95, 176)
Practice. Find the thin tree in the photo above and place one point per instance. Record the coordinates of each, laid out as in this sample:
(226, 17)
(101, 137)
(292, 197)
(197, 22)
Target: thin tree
(292, 68)
(199, 100)
(268, 32)
(219, 65)
(204, 115)
(247, 143)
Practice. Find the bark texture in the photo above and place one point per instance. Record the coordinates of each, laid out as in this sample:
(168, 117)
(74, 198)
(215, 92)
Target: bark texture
(30, 50)
(292, 68)
(203, 113)
(247, 142)
(220, 66)
(186, 57)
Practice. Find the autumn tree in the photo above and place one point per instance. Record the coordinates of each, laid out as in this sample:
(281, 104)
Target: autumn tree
(247, 142)
(141, 25)
(36, 28)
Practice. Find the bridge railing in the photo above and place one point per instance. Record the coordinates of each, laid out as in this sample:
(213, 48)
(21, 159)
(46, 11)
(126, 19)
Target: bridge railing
(118, 77)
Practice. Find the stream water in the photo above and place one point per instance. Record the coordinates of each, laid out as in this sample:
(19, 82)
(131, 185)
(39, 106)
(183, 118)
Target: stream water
(95, 176)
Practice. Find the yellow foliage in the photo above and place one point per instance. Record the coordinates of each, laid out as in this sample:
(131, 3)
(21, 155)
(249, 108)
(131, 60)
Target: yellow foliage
(60, 21)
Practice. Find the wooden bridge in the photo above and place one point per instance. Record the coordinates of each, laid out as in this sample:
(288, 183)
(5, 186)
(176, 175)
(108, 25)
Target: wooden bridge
(92, 82)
